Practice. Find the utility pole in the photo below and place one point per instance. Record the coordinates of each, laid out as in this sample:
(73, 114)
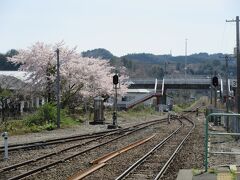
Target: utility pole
(185, 59)
(215, 93)
(185, 71)
(211, 87)
(227, 92)
(58, 90)
(165, 68)
(238, 63)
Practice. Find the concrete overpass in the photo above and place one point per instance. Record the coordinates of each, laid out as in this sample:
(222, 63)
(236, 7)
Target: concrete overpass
(160, 87)
(170, 84)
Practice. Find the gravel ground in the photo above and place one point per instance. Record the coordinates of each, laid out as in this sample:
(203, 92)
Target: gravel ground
(26, 155)
(223, 143)
(23, 155)
(154, 164)
(120, 163)
(84, 128)
(190, 156)
(192, 153)
(66, 169)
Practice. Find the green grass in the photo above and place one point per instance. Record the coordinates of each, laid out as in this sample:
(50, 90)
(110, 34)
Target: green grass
(181, 107)
(18, 127)
(38, 121)
(177, 108)
(43, 119)
(190, 105)
(69, 121)
(140, 111)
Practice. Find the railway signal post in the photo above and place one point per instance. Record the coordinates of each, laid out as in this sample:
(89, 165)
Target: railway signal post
(116, 85)
(215, 84)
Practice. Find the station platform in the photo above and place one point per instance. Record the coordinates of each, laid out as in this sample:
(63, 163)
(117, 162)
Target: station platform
(220, 173)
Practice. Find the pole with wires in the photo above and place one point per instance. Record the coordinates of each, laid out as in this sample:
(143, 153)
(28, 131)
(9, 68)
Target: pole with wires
(185, 68)
(227, 92)
(238, 63)
(58, 90)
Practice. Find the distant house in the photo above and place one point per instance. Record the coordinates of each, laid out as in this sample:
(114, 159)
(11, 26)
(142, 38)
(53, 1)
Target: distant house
(19, 83)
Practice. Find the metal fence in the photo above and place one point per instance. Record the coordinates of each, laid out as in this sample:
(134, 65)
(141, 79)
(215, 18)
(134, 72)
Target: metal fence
(232, 117)
(223, 120)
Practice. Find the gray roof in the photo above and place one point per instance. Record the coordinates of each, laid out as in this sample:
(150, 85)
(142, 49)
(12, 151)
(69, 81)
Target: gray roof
(21, 75)
(12, 80)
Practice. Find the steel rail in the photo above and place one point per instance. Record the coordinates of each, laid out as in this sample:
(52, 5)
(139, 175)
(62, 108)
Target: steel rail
(51, 154)
(142, 159)
(159, 145)
(69, 148)
(36, 144)
(166, 165)
(74, 155)
(101, 161)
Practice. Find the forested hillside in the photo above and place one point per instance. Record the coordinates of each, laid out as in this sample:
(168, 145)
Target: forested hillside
(4, 64)
(145, 65)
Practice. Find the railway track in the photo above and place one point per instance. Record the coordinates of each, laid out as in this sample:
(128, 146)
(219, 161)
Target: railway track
(44, 143)
(39, 144)
(154, 163)
(148, 161)
(52, 159)
(104, 142)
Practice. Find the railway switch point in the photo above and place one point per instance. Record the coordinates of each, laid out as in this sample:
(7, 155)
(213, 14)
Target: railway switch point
(111, 126)
(114, 124)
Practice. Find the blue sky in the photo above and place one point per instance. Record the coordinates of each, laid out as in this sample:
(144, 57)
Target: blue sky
(121, 26)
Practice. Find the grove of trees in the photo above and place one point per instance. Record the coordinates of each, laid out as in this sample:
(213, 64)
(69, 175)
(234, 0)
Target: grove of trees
(82, 78)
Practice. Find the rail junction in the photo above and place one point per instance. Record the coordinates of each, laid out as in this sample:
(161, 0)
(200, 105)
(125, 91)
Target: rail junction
(161, 141)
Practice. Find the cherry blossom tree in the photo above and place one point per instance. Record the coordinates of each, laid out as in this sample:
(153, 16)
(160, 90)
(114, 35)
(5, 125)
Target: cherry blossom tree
(40, 61)
(92, 76)
(80, 76)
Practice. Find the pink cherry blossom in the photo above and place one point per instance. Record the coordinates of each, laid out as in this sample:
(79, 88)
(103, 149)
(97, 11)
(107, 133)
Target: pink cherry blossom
(88, 77)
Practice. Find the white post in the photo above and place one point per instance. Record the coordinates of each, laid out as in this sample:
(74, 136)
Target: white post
(32, 102)
(43, 101)
(21, 106)
(37, 102)
(5, 137)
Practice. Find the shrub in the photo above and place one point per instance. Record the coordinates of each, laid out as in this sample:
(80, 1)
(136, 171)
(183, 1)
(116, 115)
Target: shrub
(46, 118)
(45, 114)
(142, 108)
(138, 108)
(35, 128)
(49, 126)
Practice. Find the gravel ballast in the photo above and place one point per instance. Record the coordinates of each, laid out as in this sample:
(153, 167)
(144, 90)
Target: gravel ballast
(22, 155)
(66, 169)
(190, 156)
